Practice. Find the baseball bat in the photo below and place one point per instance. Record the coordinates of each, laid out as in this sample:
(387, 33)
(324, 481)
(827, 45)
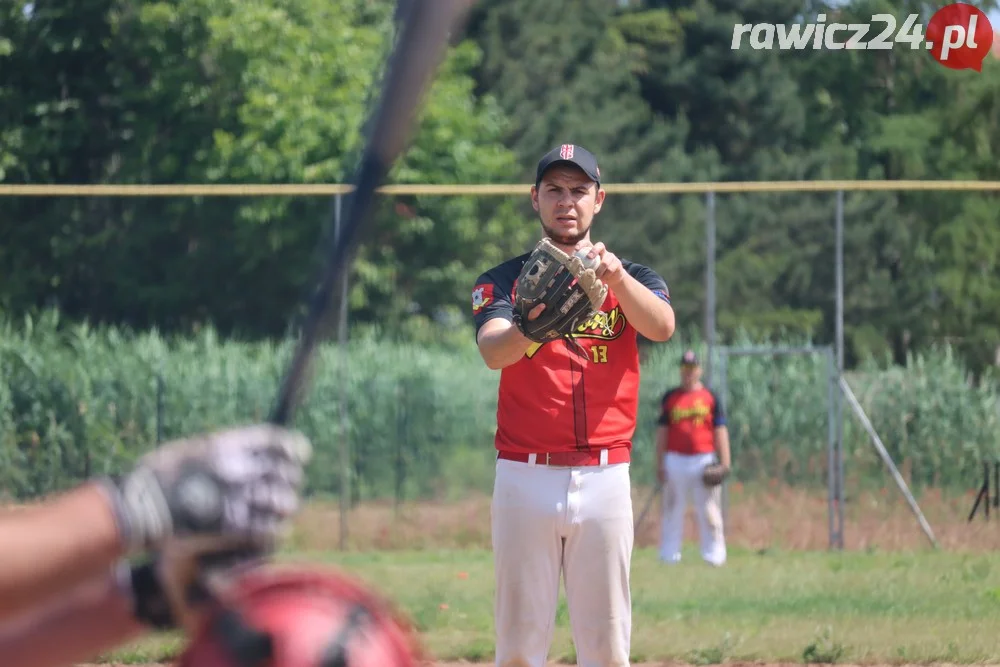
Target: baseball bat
(427, 26)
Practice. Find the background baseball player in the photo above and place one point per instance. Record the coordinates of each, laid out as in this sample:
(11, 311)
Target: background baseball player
(692, 436)
(67, 591)
(565, 419)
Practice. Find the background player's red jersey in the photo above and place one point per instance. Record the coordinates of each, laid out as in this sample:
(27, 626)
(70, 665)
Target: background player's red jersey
(691, 417)
(553, 399)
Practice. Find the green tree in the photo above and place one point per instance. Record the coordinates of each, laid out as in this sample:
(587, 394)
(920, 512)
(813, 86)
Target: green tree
(927, 261)
(226, 92)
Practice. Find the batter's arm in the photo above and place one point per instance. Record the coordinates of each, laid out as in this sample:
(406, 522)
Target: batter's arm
(55, 545)
(81, 624)
(501, 343)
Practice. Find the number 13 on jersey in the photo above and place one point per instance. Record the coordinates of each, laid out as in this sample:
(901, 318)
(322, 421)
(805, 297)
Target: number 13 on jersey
(599, 354)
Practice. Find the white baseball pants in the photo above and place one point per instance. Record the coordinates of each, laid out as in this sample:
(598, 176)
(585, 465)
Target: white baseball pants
(684, 485)
(574, 522)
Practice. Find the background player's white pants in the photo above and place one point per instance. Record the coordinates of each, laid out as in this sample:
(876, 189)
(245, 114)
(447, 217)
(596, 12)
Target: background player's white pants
(684, 485)
(571, 521)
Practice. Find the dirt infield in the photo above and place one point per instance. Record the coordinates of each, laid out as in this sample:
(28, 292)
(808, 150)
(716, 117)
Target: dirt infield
(766, 517)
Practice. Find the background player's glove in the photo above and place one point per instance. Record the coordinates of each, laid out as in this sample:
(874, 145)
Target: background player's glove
(570, 290)
(714, 474)
(237, 487)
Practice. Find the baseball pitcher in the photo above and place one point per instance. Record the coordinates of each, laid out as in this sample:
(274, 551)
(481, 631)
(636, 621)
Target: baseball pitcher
(561, 324)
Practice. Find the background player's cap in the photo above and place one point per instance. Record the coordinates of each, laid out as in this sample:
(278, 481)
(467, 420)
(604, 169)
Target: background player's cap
(689, 358)
(572, 154)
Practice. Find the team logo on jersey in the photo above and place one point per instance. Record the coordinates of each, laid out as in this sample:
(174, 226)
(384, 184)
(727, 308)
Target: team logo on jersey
(481, 296)
(602, 326)
(698, 413)
(605, 326)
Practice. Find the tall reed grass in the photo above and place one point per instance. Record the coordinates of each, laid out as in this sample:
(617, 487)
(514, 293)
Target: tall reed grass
(76, 401)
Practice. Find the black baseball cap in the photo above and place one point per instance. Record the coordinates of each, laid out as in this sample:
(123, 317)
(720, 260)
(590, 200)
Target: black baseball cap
(572, 154)
(689, 358)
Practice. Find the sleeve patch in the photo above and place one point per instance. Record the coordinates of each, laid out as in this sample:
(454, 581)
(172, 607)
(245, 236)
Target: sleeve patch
(663, 294)
(482, 296)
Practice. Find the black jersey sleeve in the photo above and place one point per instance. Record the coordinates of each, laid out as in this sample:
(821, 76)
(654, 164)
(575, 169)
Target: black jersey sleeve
(650, 279)
(718, 412)
(664, 417)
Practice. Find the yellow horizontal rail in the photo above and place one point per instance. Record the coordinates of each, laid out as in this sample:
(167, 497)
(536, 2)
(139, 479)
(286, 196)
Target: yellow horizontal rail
(294, 189)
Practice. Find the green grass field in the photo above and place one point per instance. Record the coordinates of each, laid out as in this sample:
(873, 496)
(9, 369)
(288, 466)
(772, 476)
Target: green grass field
(764, 606)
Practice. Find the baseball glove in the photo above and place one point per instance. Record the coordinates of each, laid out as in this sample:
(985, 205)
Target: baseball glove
(570, 290)
(714, 474)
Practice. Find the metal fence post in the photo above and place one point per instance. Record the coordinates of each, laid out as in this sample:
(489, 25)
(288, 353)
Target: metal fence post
(859, 412)
(833, 460)
(724, 390)
(839, 272)
(709, 285)
(345, 445)
(401, 417)
(839, 436)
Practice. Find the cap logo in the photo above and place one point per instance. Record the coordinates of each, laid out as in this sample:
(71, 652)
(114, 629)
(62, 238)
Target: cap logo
(566, 151)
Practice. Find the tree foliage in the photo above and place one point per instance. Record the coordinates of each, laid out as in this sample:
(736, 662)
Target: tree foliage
(226, 91)
(260, 91)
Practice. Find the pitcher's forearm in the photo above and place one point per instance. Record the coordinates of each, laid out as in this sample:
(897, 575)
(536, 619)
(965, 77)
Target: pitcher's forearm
(502, 344)
(77, 627)
(649, 314)
(51, 547)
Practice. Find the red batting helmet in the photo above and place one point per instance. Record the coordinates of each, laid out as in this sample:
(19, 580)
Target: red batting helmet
(275, 616)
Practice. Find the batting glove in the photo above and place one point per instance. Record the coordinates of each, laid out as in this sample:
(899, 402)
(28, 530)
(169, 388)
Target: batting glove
(233, 487)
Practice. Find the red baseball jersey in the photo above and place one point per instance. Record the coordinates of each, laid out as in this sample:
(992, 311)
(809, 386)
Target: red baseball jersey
(691, 418)
(555, 399)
